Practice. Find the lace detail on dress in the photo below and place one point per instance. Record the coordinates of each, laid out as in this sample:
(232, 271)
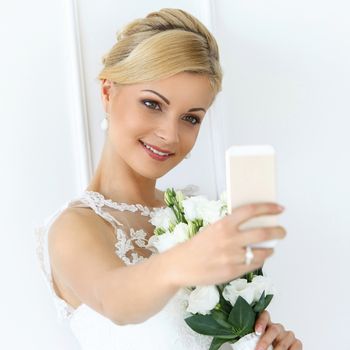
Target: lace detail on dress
(96, 201)
(124, 246)
(100, 201)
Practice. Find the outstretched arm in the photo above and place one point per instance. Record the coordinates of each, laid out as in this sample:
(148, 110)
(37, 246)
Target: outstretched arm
(83, 259)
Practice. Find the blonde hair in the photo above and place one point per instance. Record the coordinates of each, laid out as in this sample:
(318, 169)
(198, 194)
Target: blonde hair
(160, 45)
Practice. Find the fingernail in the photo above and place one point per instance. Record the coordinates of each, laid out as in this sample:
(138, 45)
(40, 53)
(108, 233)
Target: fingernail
(258, 330)
(280, 207)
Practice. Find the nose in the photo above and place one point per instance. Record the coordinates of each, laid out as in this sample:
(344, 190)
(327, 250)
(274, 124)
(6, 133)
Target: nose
(168, 131)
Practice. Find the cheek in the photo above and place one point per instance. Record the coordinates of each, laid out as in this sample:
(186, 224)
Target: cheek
(188, 139)
(192, 134)
(128, 122)
(136, 119)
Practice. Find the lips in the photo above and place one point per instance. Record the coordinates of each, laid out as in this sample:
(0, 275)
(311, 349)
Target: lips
(154, 155)
(157, 148)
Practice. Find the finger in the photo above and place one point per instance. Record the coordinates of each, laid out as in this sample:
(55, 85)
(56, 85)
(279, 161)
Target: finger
(271, 333)
(261, 234)
(243, 269)
(261, 323)
(259, 255)
(243, 213)
(297, 345)
(285, 341)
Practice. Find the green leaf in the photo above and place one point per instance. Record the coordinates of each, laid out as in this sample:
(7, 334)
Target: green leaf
(171, 226)
(224, 304)
(242, 316)
(259, 272)
(268, 299)
(205, 324)
(216, 343)
(250, 275)
(221, 318)
(169, 196)
(159, 231)
(221, 287)
(259, 306)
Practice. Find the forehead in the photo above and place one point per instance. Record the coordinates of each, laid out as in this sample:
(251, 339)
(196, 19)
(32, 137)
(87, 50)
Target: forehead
(184, 88)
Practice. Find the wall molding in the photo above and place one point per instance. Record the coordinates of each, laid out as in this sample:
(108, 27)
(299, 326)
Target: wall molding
(80, 127)
(216, 124)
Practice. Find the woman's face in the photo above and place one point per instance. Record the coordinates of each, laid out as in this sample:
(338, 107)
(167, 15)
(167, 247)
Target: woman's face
(165, 113)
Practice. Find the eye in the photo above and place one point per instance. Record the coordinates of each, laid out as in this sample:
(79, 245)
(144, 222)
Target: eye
(151, 104)
(195, 120)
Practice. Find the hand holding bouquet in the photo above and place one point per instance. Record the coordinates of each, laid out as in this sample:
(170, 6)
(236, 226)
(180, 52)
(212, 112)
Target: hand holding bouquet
(226, 295)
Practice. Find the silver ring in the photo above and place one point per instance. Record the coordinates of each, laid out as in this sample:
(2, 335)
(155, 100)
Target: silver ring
(249, 256)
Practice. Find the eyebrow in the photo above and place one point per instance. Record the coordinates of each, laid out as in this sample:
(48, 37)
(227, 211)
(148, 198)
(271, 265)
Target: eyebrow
(168, 102)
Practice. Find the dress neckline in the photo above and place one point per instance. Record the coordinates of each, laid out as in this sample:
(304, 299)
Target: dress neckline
(110, 201)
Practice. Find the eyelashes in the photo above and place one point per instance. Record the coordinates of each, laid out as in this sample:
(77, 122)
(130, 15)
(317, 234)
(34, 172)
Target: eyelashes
(151, 104)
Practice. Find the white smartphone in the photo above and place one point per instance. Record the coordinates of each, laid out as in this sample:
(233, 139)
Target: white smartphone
(251, 178)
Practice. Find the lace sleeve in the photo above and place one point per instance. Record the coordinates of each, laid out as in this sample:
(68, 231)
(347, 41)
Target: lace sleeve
(126, 244)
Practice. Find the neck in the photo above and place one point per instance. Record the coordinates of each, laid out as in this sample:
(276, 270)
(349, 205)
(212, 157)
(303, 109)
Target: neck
(117, 181)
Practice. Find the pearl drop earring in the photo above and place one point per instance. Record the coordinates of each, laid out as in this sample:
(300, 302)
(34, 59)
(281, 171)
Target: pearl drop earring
(104, 122)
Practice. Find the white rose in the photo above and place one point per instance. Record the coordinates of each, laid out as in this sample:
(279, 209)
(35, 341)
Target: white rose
(236, 288)
(203, 299)
(199, 207)
(180, 232)
(168, 239)
(162, 218)
(260, 284)
(192, 207)
(161, 242)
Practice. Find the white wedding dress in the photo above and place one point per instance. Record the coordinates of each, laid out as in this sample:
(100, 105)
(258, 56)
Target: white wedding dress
(165, 330)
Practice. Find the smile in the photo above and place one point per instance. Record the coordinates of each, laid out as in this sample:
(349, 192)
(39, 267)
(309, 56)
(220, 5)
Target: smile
(154, 153)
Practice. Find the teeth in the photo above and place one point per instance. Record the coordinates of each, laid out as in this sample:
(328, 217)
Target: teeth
(155, 151)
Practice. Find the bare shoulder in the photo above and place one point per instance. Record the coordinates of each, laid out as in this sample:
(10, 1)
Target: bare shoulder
(79, 225)
(81, 250)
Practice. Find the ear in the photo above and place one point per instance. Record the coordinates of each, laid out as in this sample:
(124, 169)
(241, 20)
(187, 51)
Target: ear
(106, 92)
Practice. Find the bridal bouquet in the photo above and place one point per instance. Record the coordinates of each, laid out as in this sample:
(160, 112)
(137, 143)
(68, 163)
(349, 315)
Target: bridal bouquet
(228, 311)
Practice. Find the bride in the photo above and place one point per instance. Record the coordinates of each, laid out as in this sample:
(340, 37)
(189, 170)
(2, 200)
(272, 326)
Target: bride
(157, 83)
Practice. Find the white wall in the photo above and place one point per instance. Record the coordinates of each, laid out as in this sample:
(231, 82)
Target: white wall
(286, 83)
(37, 167)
